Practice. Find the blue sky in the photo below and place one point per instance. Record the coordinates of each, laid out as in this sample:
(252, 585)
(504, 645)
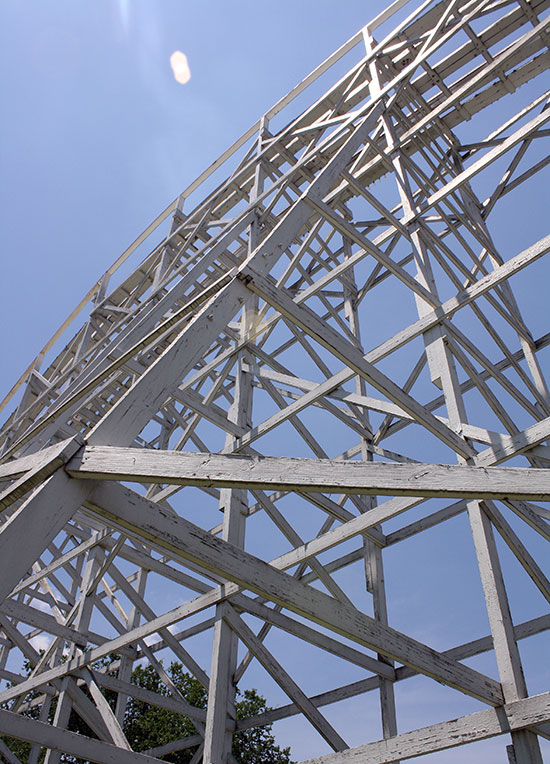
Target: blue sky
(97, 138)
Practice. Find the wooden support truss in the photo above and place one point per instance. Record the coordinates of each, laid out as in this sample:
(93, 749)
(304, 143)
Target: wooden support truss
(316, 361)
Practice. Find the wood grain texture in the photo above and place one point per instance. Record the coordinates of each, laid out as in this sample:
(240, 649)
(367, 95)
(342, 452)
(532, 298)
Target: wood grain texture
(317, 475)
(438, 737)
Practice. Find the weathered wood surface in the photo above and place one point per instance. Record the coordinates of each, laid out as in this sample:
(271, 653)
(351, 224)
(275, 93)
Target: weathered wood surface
(284, 680)
(138, 515)
(318, 475)
(24, 728)
(438, 737)
(268, 289)
(56, 455)
(29, 530)
(515, 444)
(32, 470)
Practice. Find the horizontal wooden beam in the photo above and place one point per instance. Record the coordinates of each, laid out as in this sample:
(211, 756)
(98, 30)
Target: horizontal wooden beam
(438, 737)
(310, 475)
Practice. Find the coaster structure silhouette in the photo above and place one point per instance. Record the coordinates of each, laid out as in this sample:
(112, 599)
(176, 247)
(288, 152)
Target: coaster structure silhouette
(317, 362)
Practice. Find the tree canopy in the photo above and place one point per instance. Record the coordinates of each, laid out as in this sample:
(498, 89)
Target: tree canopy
(149, 726)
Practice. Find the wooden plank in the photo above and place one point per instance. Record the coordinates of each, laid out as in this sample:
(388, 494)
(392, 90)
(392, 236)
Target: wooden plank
(305, 475)
(8, 755)
(512, 445)
(498, 610)
(313, 636)
(15, 468)
(438, 737)
(525, 744)
(107, 714)
(46, 512)
(347, 530)
(32, 470)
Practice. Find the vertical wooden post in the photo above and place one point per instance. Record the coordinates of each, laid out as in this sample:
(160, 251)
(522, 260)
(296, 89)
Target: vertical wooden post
(220, 718)
(525, 743)
(374, 569)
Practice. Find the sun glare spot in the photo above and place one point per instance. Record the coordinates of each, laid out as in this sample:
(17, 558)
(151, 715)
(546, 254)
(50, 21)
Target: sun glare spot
(180, 67)
(124, 10)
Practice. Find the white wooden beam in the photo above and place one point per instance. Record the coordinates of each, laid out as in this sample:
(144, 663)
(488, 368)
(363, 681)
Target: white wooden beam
(507, 655)
(466, 729)
(46, 512)
(283, 679)
(32, 470)
(54, 738)
(305, 475)
(138, 515)
(312, 635)
(512, 445)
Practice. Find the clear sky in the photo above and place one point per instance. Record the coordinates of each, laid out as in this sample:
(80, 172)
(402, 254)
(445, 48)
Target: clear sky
(97, 138)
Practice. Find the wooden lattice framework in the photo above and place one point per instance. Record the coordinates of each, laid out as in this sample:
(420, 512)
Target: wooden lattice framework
(339, 285)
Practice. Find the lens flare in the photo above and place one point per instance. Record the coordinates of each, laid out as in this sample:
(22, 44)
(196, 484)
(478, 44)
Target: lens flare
(180, 67)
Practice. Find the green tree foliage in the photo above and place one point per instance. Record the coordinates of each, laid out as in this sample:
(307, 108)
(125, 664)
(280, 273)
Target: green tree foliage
(147, 726)
(256, 744)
